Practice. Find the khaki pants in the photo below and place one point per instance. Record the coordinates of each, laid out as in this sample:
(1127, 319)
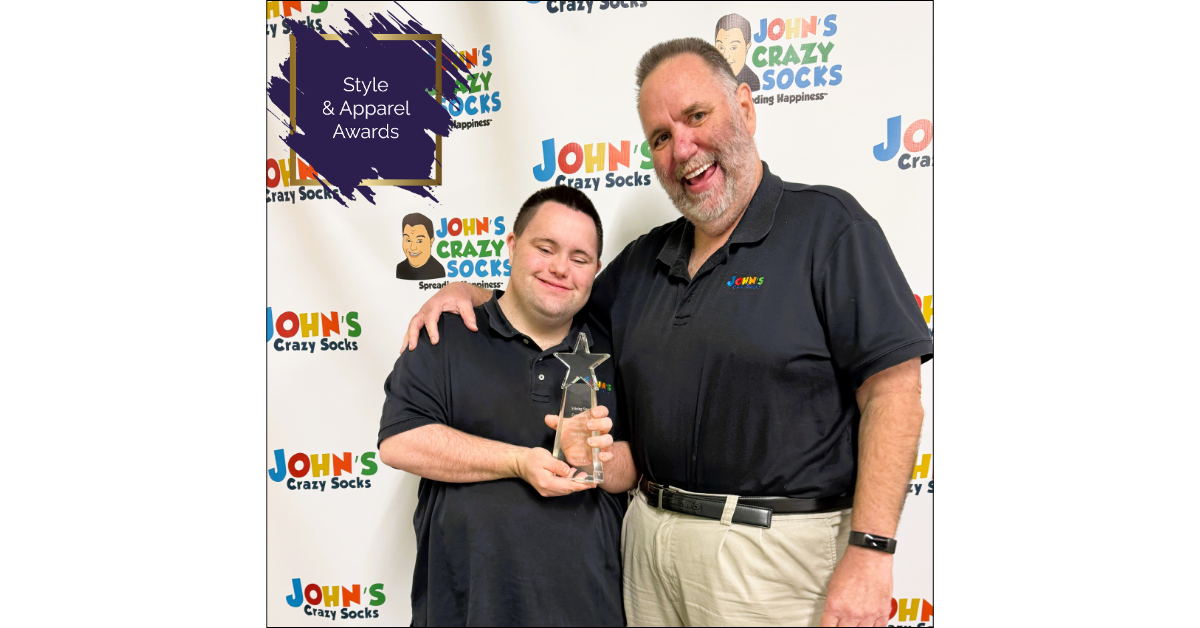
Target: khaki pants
(682, 570)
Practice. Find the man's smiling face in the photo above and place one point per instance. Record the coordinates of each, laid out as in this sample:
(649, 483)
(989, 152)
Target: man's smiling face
(701, 140)
(554, 261)
(417, 245)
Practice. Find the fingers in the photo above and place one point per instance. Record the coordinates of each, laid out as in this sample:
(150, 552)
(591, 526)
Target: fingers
(468, 317)
(552, 421)
(603, 442)
(557, 487)
(828, 620)
(551, 485)
(543, 460)
(414, 332)
(431, 327)
(552, 477)
(458, 301)
(601, 424)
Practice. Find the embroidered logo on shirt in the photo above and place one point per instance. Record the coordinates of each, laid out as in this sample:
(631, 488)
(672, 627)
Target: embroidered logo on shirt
(605, 387)
(745, 282)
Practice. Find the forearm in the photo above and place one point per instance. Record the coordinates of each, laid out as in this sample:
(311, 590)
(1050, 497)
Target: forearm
(620, 474)
(442, 453)
(889, 433)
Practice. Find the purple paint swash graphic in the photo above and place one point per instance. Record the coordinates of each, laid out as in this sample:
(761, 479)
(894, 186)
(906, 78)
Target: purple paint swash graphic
(365, 106)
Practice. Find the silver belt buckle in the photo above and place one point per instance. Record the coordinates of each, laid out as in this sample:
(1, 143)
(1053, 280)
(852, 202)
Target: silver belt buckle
(662, 488)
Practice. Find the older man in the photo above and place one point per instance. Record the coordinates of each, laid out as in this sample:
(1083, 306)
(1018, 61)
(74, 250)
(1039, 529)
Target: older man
(768, 353)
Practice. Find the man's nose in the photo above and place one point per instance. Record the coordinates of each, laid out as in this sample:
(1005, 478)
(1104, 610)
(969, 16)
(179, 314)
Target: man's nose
(684, 145)
(558, 266)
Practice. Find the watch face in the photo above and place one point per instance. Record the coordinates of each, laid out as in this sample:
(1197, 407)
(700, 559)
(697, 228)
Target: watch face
(871, 541)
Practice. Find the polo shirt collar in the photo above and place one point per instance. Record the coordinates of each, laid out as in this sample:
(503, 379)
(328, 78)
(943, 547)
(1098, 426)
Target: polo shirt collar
(754, 225)
(498, 322)
(496, 318)
(760, 215)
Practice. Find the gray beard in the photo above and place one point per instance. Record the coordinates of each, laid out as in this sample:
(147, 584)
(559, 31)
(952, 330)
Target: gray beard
(709, 211)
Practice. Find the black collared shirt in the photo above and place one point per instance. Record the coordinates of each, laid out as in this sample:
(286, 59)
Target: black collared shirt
(741, 380)
(497, 553)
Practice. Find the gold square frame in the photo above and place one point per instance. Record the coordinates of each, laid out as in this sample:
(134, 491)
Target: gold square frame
(437, 180)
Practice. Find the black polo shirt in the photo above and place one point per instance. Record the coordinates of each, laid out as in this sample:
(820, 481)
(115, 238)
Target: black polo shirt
(497, 553)
(742, 379)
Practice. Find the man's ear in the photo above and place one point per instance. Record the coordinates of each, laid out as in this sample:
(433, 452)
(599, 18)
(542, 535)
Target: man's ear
(745, 100)
(510, 241)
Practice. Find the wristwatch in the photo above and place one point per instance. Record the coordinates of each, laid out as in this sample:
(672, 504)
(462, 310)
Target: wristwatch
(870, 541)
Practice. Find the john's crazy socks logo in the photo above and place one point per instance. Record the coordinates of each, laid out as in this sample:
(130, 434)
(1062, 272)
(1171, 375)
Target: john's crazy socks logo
(286, 9)
(306, 470)
(592, 158)
(917, 138)
(912, 609)
(279, 173)
(749, 282)
(926, 305)
(473, 253)
(477, 95)
(785, 65)
(582, 7)
(311, 325)
(920, 473)
(322, 601)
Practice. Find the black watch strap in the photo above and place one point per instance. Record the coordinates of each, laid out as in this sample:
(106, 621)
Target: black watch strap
(870, 541)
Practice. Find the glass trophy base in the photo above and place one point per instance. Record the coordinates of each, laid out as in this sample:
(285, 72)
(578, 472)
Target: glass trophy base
(570, 439)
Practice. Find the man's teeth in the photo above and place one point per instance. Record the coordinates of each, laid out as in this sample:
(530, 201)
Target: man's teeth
(698, 171)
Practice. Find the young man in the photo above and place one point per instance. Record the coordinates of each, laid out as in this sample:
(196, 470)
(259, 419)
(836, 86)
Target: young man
(504, 538)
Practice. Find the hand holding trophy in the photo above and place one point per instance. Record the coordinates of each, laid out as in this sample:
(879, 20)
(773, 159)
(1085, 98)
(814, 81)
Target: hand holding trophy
(579, 398)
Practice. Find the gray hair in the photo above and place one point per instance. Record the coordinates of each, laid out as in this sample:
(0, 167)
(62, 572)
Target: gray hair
(712, 57)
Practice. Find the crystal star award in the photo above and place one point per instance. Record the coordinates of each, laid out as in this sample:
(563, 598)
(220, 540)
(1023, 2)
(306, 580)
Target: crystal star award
(579, 397)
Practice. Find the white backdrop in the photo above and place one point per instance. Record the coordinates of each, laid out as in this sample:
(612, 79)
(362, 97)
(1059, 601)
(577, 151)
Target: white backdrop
(566, 76)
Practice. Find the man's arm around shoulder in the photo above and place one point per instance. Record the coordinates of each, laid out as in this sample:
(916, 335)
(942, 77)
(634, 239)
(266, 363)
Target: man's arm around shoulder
(459, 298)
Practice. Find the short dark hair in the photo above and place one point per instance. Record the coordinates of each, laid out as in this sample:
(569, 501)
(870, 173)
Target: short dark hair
(732, 21)
(413, 220)
(687, 45)
(563, 195)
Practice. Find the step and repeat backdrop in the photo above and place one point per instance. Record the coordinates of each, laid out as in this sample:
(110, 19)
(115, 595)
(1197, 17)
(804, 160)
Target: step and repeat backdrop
(843, 94)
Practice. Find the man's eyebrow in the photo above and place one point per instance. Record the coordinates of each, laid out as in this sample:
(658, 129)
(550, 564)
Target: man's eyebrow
(687, 113)
(550, 241)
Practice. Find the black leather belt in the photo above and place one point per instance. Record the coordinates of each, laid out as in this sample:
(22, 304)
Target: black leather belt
(751, 511)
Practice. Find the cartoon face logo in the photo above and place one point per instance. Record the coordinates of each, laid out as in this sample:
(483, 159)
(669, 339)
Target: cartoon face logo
(732, 39)
(418, 250)
(417, 245)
